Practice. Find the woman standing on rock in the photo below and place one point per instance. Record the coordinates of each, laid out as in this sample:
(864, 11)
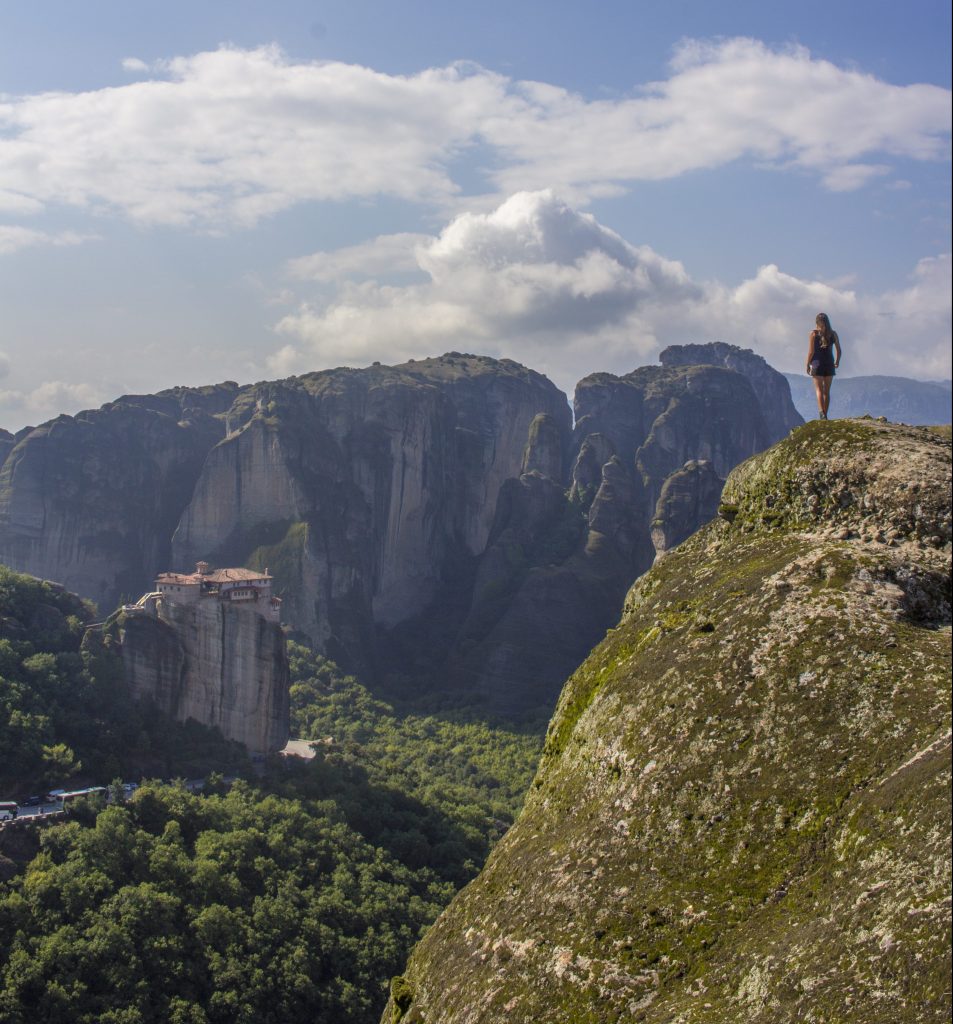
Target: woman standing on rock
(821, 361)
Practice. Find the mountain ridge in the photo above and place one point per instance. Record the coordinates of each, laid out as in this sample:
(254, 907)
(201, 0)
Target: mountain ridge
(425, 522)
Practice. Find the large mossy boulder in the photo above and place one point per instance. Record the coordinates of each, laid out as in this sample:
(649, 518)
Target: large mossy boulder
(742, 811)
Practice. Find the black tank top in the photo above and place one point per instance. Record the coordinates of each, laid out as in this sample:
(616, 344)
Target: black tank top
(824, 355)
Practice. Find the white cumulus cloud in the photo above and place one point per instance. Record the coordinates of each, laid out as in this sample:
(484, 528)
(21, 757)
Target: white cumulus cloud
(228, 137)
(47, 400)
(543, 283)
(533, 276)
(724, 101)
(231, 136)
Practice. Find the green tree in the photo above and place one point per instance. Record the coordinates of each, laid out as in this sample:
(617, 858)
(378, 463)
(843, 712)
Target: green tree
(59, 762)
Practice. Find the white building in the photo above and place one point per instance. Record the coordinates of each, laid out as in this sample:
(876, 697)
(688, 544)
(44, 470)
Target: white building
(235, 586)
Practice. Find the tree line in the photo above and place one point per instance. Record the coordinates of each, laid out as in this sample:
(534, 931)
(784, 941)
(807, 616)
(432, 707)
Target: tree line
(294, 893)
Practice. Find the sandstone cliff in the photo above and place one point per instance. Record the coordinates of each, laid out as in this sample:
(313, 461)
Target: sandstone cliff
(770, 387)
(436, 521)
(557, 564)
(92, 500)
(366, 490)
(223, 665)
(742, 811)
(7, 442)
(689, 498)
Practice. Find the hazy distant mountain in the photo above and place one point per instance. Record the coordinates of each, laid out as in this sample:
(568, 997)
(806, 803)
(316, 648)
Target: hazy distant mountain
(900, 399)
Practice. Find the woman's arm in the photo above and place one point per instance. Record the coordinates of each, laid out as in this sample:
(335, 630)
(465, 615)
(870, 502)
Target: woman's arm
(837, 350)
(810, 351)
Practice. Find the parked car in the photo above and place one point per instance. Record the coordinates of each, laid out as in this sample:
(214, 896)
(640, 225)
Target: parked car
(31, 801)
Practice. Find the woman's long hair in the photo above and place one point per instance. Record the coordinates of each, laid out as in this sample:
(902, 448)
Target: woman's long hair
(823, 329)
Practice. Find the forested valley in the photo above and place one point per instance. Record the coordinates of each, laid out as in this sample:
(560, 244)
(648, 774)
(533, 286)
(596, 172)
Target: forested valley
(285, 890)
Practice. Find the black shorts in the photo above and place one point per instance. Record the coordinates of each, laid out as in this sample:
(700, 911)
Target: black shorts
(825, 367)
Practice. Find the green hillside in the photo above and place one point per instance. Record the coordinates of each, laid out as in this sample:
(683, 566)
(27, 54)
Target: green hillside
(295, 891)
(65, 714)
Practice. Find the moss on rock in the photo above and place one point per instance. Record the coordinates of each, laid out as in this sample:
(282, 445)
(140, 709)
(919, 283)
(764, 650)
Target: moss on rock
(747, 821)
(401, 996)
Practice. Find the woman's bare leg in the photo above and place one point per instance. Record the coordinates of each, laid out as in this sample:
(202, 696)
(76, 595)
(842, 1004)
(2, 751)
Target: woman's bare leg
(819, 392)
(826, 388)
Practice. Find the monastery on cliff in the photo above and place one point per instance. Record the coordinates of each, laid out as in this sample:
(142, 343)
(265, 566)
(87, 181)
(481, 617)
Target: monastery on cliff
(231, 586)
(209, 645)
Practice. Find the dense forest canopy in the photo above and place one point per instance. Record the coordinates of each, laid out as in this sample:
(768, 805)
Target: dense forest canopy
(295, 891)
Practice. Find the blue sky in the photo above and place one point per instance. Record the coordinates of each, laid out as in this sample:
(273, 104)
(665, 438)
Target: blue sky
(233, 190)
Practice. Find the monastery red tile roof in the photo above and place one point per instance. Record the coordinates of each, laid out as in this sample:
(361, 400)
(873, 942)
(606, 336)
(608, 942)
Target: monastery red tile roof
(234, 575)
(218, 576)
(178, 577)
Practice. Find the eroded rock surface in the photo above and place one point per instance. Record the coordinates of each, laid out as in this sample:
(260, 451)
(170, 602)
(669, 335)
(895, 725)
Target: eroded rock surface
(689, 498)
(640, 430)
(366, 490)
(771, 388)
(92, 500)
(6, 444)
(557, 563)
(223, 665)
(363, 489)
(742, 810)
(437, 522)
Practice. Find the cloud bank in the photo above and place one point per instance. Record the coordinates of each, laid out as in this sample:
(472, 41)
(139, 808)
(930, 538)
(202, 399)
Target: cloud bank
(49, 399)
(541, 282)
(223, 139)
(14, 237)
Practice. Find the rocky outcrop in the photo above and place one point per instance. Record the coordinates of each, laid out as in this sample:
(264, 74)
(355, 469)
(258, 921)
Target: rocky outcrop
(223, 665)
(689, 498)
(536, 600)
(657, 418)
(545, 451)
(365, 490)
(650, 423)
(558, 563)
(92, 500)
(6, 444)
(742, 810)
(770, 387)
